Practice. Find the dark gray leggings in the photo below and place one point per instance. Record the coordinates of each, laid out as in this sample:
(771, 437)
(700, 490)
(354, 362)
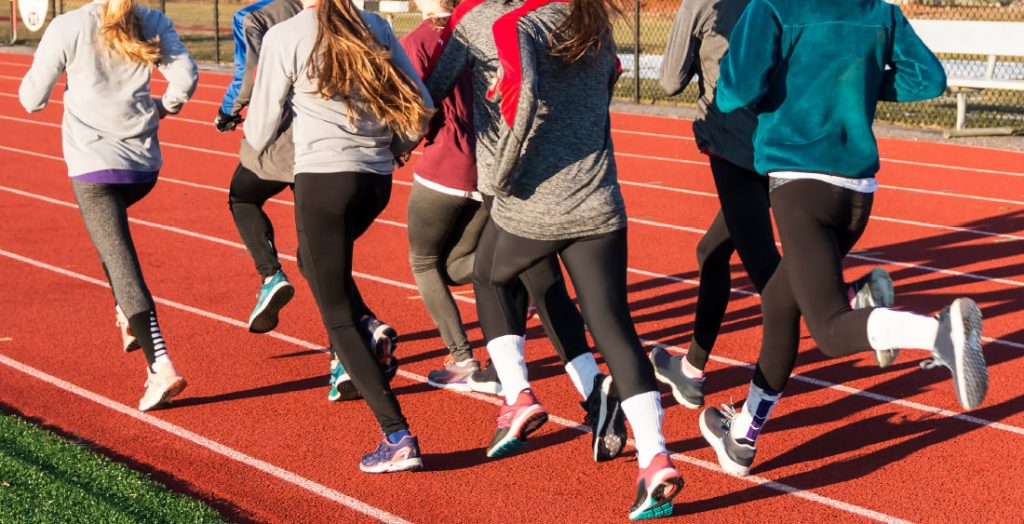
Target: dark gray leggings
(443, 234)
(104, 210)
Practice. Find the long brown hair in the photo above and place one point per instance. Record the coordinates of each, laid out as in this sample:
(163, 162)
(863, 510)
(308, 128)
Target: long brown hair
(348, 62)
(585, 28)
(121, 31)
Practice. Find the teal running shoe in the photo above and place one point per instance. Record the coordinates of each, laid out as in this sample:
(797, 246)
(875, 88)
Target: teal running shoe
(273, 296)
(342, 387)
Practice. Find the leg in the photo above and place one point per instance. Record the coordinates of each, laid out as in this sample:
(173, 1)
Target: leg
(433, 218)
(713, 253)
(745, 206)
(327, 205)
(461, 253)
(246, 197)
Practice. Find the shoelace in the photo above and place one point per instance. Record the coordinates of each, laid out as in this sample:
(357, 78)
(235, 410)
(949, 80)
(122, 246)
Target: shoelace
(932, 363)
(729, 410)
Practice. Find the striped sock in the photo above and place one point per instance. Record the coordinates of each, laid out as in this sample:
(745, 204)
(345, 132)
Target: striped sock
(147, 331)
(747, 424)
(644, 414)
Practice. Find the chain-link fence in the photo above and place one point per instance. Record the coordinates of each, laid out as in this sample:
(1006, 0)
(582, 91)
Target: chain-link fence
(641, 35)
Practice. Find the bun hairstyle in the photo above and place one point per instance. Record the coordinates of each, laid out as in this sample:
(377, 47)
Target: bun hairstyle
(121, 31)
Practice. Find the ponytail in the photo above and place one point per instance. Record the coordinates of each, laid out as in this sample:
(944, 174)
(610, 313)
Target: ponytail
(585, 28)
(348, 62)
(121, 31)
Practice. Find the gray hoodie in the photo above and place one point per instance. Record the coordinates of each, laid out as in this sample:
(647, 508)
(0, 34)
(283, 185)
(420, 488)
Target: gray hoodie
(325, 140)
(697, 43)
(110, 117)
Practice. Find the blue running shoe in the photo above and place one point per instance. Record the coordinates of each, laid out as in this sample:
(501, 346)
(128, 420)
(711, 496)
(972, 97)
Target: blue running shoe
(342, 387)
(392, 458)
(274, 295)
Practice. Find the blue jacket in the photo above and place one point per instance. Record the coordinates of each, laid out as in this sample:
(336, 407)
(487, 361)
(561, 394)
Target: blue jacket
(813, 71)
(249, 25)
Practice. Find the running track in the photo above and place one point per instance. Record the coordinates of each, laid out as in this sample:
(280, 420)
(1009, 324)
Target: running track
(255, 436)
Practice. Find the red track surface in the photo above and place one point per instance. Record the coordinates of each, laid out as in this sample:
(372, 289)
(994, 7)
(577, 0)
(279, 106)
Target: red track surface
(255, 435)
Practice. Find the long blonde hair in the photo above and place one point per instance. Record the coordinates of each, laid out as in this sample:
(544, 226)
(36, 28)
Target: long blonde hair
(121, 31)
(348, 62)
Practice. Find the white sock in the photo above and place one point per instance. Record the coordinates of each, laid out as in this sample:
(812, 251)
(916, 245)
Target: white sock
(890, 329)
(508, 354)
(582, 371)
(644, 414)
(747, 424)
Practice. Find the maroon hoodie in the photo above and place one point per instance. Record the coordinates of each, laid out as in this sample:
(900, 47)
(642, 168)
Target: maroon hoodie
(448, 155)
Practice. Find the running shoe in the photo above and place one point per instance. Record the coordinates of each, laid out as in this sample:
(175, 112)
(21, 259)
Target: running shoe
(606, 419)
(383, 342)
(392, 458)
(454, 375)
(668, 369)
(875, 289)
(485, 380)
(958, 348)
(342, 387)
(161, 386)
(656, 486)
(734, 457)
(273, 295)
(128, 341)
(515, 423)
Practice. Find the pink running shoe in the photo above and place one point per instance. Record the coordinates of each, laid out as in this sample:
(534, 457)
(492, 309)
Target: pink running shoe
(161, 387)
(656, 486)
(515, 423)
(454, 375)
(128, 341)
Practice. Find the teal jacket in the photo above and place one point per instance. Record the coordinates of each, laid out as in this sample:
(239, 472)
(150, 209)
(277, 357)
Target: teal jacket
(813, 72)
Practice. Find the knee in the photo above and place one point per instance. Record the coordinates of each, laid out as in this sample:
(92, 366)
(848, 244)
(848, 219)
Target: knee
(713, 251)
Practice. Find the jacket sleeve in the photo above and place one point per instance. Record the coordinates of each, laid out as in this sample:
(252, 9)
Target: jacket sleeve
(679, 63)
(275, 76)
(176, 66)
(451, 57)
(248, 41)
(914, 72)
(403, 144)
(753, 51)
(517, 86)
(47, 65)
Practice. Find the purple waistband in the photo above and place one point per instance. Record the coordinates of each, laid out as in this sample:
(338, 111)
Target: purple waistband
(118, 176)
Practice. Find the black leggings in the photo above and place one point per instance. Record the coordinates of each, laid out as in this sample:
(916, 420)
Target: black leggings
(246, 197)
(819, 223)
(743, 225)
(597, 267)
(331, 211)
(543, 281)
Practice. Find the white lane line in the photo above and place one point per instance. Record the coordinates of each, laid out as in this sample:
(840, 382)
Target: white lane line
(195, 438)
(468, 300)
(761, 481)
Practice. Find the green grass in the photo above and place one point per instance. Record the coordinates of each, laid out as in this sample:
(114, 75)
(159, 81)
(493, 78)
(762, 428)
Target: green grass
(44, 478)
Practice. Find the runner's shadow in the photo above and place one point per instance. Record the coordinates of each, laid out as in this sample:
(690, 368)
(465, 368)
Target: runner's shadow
(292, 386)
(303, 353)
(470, 458)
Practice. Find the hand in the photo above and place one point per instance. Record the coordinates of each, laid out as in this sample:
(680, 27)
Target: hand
(226, 122)
(161, 111)
(403, 159)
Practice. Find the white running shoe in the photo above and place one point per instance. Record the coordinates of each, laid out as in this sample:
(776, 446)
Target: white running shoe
(128, 341)
(161, 387)
(958, 348)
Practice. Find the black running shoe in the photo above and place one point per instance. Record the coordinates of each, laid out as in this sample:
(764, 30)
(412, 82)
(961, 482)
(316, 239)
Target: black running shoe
(606, 419)
(485, 380)
(733, 456)
(668, 369)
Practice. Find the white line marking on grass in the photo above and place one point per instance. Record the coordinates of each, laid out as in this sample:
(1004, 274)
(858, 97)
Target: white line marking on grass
(327, 492)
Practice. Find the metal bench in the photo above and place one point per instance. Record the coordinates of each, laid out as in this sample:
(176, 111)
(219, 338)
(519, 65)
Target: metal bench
(996, 40)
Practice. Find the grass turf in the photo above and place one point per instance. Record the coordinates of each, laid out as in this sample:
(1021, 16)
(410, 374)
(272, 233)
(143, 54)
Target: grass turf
(45, 478)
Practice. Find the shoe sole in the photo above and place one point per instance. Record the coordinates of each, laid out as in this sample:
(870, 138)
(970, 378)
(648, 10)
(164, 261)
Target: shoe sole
(174, 390)
(265, 319)
(971, 375)
(511, 446)
(659, 500)
(394, 467)
(726, 463)
(346, 391)
(489, 388)
(603, 430)
(463, 387)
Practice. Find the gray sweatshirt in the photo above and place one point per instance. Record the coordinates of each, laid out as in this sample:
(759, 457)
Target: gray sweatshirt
(325, 141)
(555, 171)
(110, 117)
(467, 43)
(697, 43)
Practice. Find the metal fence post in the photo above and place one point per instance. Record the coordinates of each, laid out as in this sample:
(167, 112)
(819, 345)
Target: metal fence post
(216, 30)
(636, 51)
